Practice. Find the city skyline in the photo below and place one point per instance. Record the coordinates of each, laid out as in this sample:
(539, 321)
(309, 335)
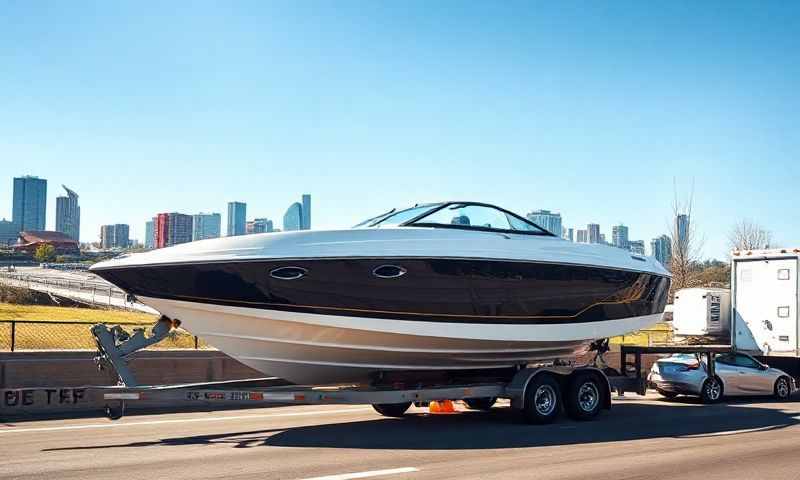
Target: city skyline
(593, 109)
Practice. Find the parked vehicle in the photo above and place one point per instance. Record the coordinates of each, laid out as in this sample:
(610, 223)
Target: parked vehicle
(736, 374)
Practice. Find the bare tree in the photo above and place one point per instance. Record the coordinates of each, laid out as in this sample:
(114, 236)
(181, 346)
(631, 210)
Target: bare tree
(686, 244)
(748, 235)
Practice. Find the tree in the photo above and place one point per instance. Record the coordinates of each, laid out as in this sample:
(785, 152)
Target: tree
(748, 235)
(686, 244)
(44, 252)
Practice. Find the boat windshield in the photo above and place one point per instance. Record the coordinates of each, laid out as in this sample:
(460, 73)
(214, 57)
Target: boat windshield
(393, 218)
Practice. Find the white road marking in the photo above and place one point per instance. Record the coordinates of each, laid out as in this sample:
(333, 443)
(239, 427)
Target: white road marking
(183, 420)
(373, 473)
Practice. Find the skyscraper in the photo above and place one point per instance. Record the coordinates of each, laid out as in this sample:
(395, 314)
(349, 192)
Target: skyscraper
(569, 234)
(30, 203)
(259, 225)
(681, 229)
(661, 249)
(619, 236)
(636, 246)
(8, 233)
(68, 214)
(149, 234)
(593, 231)
(237, 218)
(583, 236)
(293, 218)
(172, 229)
(114, 236)
(546, 219)
(306, 213)
(206, 225)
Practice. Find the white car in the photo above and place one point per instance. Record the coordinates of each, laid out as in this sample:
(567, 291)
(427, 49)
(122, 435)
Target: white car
(736, 374)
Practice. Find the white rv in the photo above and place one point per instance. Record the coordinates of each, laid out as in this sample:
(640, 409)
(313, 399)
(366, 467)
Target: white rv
(765, 302)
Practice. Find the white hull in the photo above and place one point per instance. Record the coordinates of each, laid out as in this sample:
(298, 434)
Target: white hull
(324, 349)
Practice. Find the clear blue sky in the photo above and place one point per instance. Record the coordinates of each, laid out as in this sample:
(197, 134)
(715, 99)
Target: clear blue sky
(587, 108)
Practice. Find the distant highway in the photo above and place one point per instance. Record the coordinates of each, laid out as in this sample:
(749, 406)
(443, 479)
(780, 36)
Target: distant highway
(638, 439)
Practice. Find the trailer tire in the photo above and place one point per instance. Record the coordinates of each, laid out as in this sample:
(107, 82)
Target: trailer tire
(783, 389)
(584, 396)
(481, 403)
(542, 400)
(712, 390)
(396, 410)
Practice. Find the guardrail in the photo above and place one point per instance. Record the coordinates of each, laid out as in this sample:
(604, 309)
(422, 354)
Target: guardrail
(19, 335)
(96, 293)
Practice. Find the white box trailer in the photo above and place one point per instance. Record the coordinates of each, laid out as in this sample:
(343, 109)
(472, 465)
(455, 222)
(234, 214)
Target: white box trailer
(765, 304)
(702, 312)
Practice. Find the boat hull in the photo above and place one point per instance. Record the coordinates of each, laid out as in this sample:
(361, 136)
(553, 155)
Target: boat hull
(327, 349)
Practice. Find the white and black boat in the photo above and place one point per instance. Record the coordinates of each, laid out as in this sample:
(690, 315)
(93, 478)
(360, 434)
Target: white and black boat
(451, 286)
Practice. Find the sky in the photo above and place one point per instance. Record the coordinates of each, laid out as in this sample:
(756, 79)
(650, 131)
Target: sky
(598, 110)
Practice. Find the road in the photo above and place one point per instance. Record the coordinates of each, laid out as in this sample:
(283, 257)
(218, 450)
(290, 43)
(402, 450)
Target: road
(638, 439)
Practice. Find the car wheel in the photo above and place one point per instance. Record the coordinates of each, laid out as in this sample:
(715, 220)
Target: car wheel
(482, 403)
(666, 394)
(782, 388)
(711, 391)
(391, 409)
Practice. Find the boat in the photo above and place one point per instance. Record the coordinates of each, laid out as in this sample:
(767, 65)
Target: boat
(441, 287)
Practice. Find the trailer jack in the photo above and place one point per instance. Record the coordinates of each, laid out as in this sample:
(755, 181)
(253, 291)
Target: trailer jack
(115, 346)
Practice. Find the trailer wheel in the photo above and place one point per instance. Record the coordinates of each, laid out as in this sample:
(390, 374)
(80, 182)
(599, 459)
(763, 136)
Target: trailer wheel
(391, 409)
(712, 390)
(542, 400)
(782, 388)
(584, 396)
(482, 403)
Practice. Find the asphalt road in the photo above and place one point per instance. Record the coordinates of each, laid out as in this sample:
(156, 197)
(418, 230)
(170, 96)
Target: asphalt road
(639, 438)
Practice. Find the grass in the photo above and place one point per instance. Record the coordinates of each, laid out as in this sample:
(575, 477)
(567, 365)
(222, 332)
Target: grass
(71, 332)
(70, 314)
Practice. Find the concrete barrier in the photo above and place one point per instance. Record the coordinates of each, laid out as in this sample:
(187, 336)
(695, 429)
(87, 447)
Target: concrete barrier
(39, 384)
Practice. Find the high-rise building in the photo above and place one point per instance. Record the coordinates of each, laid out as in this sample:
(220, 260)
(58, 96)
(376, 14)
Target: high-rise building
(583, 236)
(206, 225)
(593, 231)
(661, 249)
(68, 214)
(636, 246)
(682, 229)
(8, 233)
(172, 229)
(306, 212)
(30, 203)
(546, 219)
(237, 218)
(619, 236)
(293, 218)
(259, 225)
(114, 236)
(149, 234)
(570, 235)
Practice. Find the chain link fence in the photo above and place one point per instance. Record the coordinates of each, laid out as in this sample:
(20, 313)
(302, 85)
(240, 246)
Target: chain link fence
(17, 335)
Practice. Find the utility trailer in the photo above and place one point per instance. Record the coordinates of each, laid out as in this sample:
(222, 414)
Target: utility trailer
(538, 392)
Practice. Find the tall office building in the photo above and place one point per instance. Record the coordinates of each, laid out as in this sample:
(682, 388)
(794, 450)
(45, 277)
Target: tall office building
(149, 234)
(293, 218)
(259, 225)
(636, 246)
(583, 236)
(30, 203)
(68, 214)
(172, 229)
(619, 236)
(661, 249)
(8, 233)
(206, 225)
(569, 234)
(681, 228)
(593, 231)
(237, 218)
(306, 212)
(114, 236)
(546, 219)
